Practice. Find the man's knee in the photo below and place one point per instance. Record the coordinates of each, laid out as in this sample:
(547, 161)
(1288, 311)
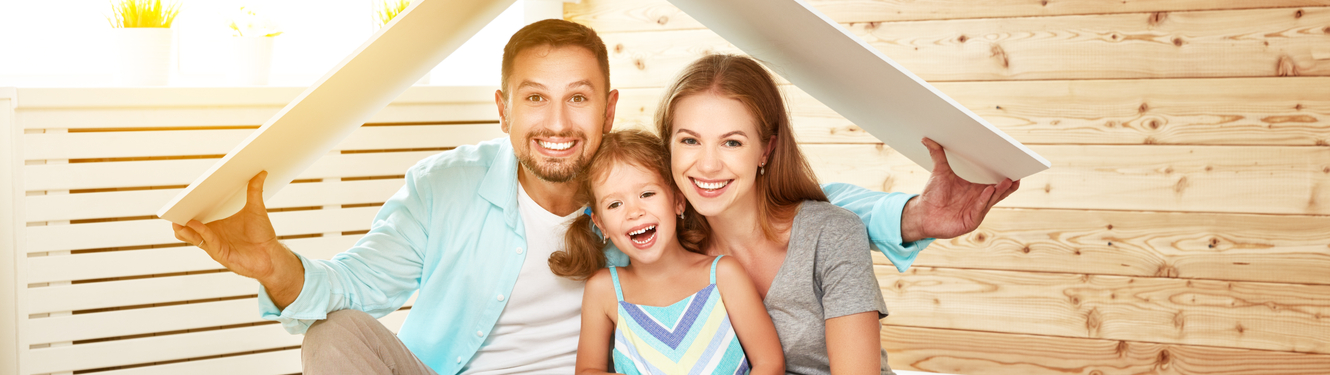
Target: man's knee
(339, 326)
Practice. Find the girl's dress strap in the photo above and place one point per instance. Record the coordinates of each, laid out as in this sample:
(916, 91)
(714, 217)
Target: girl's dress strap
(618, 293)
(713, 269)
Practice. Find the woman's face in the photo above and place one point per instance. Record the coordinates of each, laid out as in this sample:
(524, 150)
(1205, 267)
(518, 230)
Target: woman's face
(636, 210)
(715, 153)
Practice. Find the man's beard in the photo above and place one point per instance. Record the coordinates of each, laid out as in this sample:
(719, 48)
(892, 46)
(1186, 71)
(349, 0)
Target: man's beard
(557, 170)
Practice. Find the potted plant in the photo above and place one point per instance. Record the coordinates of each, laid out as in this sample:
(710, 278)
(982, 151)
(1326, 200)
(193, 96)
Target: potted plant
(251, 48)
(142, 40)
(385, 12)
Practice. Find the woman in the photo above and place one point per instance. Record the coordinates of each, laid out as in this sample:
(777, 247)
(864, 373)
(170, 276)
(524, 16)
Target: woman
(752, 195)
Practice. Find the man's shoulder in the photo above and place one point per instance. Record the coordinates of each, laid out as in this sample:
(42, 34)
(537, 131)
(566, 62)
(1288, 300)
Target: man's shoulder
(464, 160)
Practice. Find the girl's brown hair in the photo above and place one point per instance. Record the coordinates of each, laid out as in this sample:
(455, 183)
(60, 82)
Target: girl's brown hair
(584, 251)
(788, 179)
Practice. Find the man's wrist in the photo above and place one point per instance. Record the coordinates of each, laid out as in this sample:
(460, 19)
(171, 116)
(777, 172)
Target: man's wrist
(912, 228)
(288, 277)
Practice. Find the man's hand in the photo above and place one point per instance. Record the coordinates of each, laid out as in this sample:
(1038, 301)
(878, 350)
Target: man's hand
(949, 206)
(246, 244)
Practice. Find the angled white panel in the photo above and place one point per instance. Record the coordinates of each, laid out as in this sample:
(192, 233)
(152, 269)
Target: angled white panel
(380, 70)
(859, 82)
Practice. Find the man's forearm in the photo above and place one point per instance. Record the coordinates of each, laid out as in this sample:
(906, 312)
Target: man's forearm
(912, 228)
(287, 278)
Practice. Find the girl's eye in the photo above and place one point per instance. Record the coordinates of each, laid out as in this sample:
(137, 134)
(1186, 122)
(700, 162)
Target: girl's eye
(578, 98)
(688, 141)
(648, 194)
(534, 98)
(614, 204)
(733, 143)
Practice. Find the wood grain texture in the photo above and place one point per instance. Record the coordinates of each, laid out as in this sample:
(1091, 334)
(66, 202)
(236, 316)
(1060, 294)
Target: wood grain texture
(1269, 248)
(1209, 44)
(1229, 179)
(1248, 315)
(984, 353)
(1236, 111)
(654, 15)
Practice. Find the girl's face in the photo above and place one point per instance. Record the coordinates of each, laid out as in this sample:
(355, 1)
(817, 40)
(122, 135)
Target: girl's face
(636, 210)
(716, 151)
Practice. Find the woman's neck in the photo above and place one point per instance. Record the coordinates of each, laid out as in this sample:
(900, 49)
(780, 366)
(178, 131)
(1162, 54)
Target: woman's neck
(738, 230)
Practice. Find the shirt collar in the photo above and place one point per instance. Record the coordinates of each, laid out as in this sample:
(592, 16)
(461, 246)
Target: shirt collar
(500, 184)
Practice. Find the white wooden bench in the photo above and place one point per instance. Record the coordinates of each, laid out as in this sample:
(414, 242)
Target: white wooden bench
(93, 282)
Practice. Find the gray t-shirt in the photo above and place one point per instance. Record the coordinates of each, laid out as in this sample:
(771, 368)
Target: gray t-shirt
(828, 273)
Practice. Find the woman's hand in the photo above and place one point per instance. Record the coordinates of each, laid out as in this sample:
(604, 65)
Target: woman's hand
(950, 206)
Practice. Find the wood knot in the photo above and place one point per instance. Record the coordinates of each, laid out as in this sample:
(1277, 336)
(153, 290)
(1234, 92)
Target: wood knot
(1077, 251)
(1157, 18)
(1181, 186)
(1025, 249)
(1322, 142)
(1092, 322)
(1001, 56)
(1164, 358)
(1214, 242)
(962, 38)
(1326, 169)
(900, 285)
(640, 64)
(980, 237)
(1209, 168)
(1048, 188)
(1241, 329)
(1297, 14)
(1151, 140)
(1166, 270)
(1178, 321)
(1177, 42)
(663, 20)
(873, 25)
(1110, 124)
(1075, 300)
(1115, 37)
(1297, 107)
(1122, 349)
(1153, 124)
(1286, 67)
(1110, 227)
(1043, 3)
(1143, 108)
(1326, 30)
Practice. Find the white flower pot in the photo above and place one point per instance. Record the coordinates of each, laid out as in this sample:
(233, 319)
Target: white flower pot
(252, 60)
(142, 56)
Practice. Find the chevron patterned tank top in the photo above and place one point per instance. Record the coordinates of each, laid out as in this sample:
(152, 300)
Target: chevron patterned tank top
(692, 336)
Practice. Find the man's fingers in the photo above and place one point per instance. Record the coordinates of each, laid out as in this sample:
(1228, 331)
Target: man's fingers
(1014, 185)
(186, 234)
(938, 155)
(1000, 191)
(254, 192)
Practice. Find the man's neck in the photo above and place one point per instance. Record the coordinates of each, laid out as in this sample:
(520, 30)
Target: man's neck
(555, 197)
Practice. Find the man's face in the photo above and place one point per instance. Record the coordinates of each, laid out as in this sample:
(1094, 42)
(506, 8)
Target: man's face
(557, 110)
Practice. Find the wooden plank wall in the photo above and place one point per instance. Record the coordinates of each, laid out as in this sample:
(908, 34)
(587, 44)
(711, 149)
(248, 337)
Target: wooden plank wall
(103, 286)
(1184, 227)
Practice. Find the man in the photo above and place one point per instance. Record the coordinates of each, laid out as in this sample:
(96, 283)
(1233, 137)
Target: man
(472, 230)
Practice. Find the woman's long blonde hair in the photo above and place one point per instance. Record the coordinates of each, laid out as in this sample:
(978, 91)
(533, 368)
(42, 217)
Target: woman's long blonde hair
(788, 179)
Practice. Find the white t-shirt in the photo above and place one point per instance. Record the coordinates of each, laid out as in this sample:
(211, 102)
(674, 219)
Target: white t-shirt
(538, 329)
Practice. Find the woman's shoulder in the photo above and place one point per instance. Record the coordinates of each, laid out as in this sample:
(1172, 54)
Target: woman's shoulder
(823, 214)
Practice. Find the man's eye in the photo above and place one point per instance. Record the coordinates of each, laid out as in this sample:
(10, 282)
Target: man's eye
(534, 98)
(648, 194)
(614, 204)
(733, 143)
(578, 99)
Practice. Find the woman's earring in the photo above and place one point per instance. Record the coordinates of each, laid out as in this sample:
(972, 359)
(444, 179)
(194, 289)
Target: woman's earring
(762, 169)
(680, 216)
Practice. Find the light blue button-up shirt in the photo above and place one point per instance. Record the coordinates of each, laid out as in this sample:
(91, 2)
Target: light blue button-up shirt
(452, 232)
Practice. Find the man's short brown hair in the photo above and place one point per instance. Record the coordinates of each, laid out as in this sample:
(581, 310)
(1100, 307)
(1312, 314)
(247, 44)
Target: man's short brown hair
(554, 33)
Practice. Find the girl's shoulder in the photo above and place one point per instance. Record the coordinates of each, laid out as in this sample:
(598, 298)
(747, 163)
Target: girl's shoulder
(600, 283)
(729, 270)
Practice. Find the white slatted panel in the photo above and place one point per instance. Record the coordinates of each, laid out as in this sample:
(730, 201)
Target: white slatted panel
(96, 163)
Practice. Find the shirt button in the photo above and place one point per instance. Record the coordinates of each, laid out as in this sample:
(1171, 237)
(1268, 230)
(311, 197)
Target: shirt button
(459, 359)
(480, 334)
(500, 298)
(519, 250)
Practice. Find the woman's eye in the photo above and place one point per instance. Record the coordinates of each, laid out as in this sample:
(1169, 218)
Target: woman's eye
(688, 141)
(733, 143)
(614, 204)
(648, 194)
(534, 98)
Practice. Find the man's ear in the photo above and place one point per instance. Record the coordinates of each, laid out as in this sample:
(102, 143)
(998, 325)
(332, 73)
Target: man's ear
(503, 110)
(610, 103)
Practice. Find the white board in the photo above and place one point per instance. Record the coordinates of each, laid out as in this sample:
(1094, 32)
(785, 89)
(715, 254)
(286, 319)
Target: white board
(857, 81)
(353, 91)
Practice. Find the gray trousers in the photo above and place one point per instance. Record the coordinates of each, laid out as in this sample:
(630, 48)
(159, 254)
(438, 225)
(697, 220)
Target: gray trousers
(352, 342)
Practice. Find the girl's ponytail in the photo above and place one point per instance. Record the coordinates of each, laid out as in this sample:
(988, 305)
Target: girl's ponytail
(583, 253)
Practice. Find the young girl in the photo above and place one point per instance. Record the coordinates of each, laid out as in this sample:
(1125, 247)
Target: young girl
(669, 311)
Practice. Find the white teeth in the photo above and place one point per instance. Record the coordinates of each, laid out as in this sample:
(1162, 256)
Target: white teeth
(556, 146)
(711, 185)
(648, 239)
(640, 231)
